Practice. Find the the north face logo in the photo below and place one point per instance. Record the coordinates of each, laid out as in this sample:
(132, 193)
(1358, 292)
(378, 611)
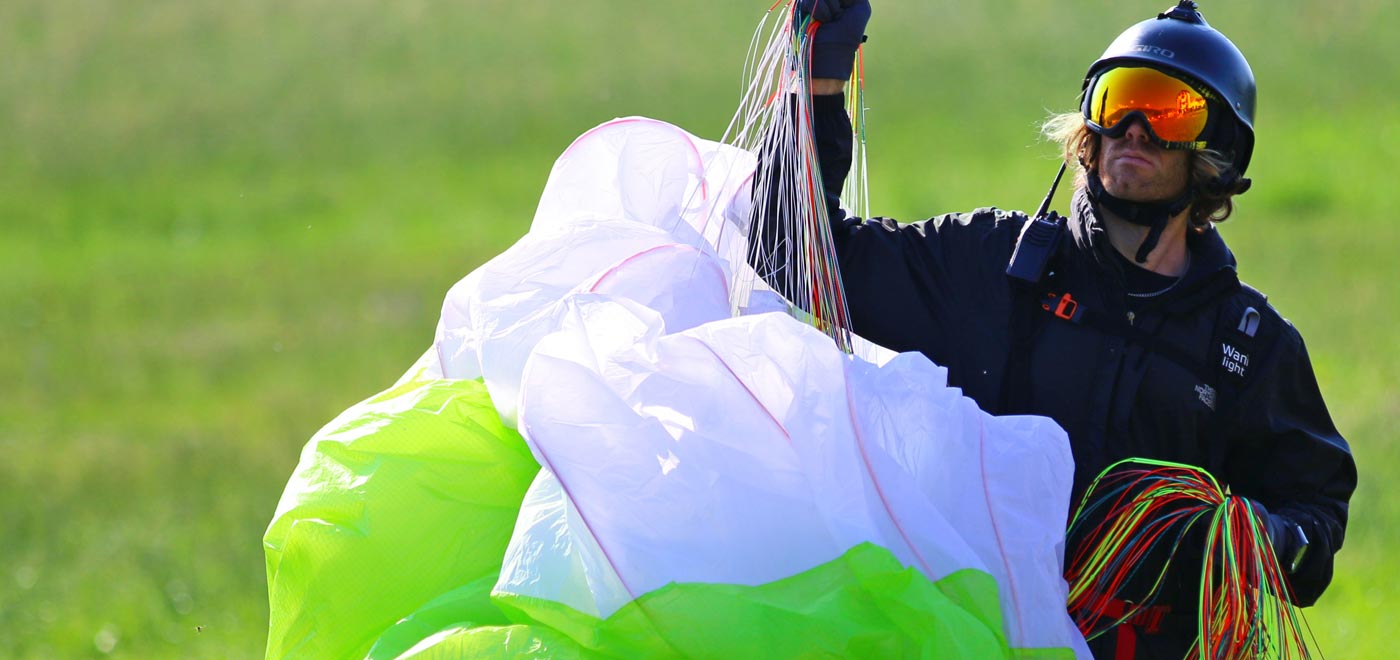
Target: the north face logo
(1207, 394)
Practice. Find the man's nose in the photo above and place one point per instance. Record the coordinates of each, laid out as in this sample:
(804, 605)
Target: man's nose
(1137, 129)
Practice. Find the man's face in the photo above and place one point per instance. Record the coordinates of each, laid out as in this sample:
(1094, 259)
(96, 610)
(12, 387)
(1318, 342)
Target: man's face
(1134, 169)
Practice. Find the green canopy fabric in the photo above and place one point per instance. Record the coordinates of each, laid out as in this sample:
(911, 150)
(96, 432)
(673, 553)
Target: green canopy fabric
(861, 605)
(405, 497)
(390, 537)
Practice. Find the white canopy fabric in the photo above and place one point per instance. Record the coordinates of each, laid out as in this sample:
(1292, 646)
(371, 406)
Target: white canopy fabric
(689, 433)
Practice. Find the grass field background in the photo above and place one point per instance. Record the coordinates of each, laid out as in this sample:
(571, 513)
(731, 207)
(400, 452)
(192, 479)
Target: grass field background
(223, 223)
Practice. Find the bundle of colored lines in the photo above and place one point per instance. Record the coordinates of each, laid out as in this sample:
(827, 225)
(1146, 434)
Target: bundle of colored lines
(1146, 527)
(790, 237)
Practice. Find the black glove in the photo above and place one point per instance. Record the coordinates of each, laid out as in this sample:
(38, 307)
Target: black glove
(841, 32)
(1287, 537)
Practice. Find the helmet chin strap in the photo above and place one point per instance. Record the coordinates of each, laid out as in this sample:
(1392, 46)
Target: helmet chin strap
(1153, 215)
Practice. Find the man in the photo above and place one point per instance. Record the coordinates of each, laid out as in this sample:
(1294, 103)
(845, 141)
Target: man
(1126, 322)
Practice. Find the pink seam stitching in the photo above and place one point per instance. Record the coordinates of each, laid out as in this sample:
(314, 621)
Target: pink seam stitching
(996, 530)
(860, 443)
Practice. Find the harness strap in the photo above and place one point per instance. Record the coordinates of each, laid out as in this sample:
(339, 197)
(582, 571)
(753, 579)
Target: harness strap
(1126, 648)
(1149, 619)
(1066, 308)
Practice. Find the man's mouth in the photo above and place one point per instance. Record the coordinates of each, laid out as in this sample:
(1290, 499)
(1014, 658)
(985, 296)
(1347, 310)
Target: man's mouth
(1134, 158)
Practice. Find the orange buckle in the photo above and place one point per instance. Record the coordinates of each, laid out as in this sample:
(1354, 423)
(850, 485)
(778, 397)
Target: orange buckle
(1067, 307)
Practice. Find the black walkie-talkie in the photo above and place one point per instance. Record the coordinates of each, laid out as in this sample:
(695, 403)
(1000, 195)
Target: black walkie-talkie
(1039, 241)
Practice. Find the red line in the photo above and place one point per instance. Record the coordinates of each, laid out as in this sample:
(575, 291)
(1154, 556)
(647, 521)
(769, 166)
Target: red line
(746, 184)
(860, 444)
(743, 385)
(621, 264)
(699, 162)
(569, 494)
(632, 594)
(996, 530)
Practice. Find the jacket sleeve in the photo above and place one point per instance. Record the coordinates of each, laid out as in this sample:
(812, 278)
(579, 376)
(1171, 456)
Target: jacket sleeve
(1286, 453)
(769, 246)
(831, 130)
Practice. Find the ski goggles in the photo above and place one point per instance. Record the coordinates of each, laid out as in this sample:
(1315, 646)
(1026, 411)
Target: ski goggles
(1176, 113)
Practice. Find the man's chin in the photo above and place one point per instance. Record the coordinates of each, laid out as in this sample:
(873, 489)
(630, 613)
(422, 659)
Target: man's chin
(1137, 194)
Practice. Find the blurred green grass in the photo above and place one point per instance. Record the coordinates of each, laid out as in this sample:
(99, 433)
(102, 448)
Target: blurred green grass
(223, 223)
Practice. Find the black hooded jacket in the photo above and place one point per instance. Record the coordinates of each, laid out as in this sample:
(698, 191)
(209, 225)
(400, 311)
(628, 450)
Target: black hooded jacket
(1177, 377)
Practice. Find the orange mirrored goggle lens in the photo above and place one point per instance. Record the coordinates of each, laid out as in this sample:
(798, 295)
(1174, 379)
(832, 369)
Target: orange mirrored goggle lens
(1175, 110)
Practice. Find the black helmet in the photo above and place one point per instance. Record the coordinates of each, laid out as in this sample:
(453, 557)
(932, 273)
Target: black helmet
(1179, 40)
